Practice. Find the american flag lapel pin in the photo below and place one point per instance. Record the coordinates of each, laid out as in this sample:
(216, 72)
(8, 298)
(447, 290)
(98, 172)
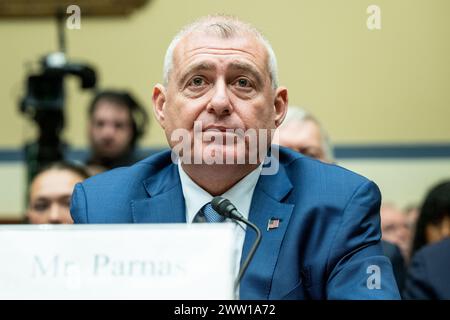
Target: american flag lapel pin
(273, 223)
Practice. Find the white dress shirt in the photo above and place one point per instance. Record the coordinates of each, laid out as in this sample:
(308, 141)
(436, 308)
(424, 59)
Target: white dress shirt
(240, 195)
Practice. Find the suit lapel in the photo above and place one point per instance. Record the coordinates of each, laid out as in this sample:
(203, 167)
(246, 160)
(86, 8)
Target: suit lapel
(266, 205)
(166, 201)
(166, 205)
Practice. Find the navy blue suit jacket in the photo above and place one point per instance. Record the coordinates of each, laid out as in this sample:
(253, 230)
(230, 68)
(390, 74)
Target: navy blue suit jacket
(325, 247)
(428, 275)
(394, 254)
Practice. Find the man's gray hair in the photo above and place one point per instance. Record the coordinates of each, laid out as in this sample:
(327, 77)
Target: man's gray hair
(298, 114)
(226, 27)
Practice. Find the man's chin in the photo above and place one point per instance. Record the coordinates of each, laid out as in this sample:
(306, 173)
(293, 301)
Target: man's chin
(109, 154)
(222, 156)
(216, 154)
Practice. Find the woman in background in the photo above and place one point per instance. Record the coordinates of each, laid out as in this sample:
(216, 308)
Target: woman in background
(428, 276)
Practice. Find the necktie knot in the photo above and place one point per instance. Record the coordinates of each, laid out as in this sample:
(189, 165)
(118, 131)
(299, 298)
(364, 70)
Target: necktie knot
(210, 214)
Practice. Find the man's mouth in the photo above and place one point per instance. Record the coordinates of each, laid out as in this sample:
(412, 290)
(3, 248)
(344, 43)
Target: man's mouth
(216, 128)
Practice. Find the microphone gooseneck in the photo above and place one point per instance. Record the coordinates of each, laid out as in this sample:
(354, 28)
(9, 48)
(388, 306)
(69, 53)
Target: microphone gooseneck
(225, 208)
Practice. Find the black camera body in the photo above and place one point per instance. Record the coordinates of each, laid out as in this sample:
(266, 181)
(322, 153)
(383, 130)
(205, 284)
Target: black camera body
(44, 103)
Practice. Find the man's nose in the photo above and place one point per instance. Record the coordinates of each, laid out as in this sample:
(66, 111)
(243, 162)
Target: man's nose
(56, 214)
(220, 103)
(108, 131)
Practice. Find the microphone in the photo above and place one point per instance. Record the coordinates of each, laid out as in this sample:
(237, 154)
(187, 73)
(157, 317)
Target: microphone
(225, 208)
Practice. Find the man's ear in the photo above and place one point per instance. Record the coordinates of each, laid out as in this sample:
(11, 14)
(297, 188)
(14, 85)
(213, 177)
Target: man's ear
(281, 105)
(159, 102)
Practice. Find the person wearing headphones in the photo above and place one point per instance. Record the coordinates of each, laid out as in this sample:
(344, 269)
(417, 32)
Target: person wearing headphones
(116, 123)
(48, 198)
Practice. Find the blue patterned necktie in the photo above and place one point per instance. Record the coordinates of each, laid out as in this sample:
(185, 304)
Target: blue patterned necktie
(210, 214)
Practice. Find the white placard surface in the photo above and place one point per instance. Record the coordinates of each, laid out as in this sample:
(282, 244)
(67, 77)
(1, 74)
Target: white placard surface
(145, 261)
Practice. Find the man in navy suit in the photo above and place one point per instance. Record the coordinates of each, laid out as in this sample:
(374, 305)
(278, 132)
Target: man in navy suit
(428, 276)
(320, 222)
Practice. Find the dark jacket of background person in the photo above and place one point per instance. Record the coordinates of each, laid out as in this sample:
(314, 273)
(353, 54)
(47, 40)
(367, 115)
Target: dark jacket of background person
(428, 275)
(398, 263)
(433, 223)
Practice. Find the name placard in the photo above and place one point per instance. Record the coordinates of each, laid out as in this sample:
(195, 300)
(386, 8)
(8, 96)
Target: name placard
(151, 261)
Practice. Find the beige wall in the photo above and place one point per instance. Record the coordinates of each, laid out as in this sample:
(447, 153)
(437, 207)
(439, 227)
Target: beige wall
(383, 86)
(402, 182)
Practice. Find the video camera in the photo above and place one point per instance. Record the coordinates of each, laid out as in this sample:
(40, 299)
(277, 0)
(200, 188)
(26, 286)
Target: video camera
(44, 103)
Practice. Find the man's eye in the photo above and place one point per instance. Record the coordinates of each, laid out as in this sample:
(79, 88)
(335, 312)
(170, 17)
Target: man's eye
(119, 125)
(197, 82)
(40, 206)
(99, 124)
(65, 202)
(243, 83)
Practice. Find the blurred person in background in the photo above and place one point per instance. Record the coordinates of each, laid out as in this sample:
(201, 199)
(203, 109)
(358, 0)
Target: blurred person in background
(116, 123)
(428, 275)
(412, 214)
(302, 132)
(395, 228)
(433, 223)
(50, 192)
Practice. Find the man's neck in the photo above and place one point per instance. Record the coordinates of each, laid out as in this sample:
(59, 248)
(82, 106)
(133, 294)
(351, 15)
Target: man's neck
(111, 162)
(217, 179)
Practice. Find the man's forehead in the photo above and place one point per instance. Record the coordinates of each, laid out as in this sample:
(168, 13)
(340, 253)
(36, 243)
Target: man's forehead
(305, 128)
(108, 106)
(200, 42)
(394, 214)
(54, 180)
(107, 110)
(51, 195)
(50, 192)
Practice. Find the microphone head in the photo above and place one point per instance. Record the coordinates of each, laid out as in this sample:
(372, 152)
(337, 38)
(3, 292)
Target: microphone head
(223, 206)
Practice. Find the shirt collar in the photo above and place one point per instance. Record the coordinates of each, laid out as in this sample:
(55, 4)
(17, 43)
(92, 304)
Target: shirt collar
(240, 194)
